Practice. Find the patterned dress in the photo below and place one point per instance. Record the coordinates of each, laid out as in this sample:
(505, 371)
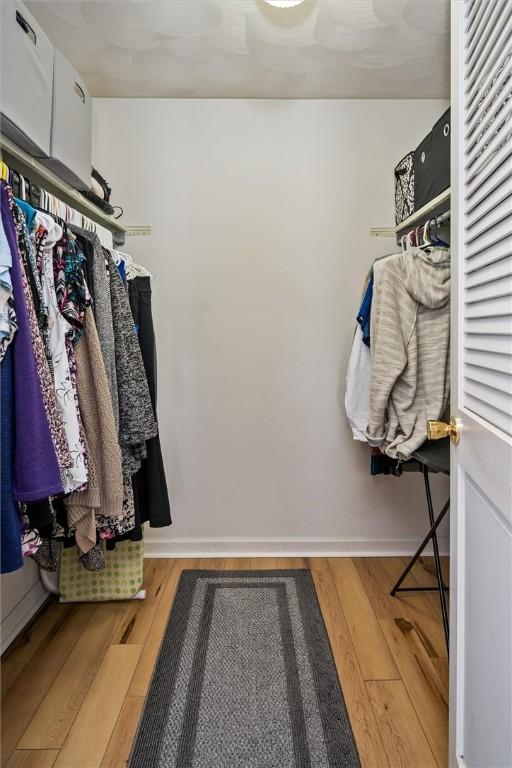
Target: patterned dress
(52, 410)
(75, 476)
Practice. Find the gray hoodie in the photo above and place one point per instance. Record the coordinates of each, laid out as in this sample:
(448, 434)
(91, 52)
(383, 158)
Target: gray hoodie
(410, 345)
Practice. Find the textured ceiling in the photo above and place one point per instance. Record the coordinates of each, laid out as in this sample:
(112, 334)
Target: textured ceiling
(246, 48)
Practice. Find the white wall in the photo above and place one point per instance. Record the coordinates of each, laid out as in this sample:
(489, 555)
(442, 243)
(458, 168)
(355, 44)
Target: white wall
(260, 212)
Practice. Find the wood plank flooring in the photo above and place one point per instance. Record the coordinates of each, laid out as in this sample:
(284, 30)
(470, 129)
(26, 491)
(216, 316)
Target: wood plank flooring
(73, 686)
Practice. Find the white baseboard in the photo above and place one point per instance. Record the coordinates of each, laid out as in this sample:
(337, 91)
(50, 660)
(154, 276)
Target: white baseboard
(241, 547)
(21, 614)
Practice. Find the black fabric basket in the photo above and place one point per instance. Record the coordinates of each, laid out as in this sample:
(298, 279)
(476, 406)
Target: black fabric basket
(441, 138)
(432, 163)
(404, 188)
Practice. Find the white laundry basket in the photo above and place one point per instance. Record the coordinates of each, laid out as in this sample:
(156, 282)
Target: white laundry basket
(26, 79)
(71, 134)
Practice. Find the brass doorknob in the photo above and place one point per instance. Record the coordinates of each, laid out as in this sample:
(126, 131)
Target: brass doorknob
(438, 429)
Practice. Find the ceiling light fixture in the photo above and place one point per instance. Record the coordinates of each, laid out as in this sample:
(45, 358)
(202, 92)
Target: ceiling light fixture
(284, 3)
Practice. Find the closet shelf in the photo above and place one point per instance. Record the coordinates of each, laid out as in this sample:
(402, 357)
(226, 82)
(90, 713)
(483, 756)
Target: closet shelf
(433, 206)
(436, 206)
(55, 185)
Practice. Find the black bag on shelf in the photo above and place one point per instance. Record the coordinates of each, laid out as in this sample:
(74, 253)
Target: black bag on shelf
(432, 163)
(404, 188)
(441, 145)
(423, 172)
(101, 202)
(107, 191)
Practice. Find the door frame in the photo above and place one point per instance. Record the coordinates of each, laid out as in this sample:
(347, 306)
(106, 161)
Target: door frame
(456, 246)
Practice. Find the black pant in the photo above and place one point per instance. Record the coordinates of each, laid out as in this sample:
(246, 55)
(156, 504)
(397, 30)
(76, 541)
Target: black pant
(149, 483)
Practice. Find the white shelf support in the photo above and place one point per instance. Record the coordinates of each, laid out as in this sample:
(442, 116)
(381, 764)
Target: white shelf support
(383, 231)
(142, 231)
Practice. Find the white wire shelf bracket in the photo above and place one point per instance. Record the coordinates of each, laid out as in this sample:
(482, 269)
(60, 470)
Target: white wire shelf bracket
(137, 231)
(383, 231)
(57, 186)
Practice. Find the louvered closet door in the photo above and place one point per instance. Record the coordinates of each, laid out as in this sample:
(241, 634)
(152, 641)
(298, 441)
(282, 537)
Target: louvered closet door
(481, 519)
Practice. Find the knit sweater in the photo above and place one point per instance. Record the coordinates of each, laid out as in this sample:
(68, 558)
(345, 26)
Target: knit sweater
(105, 491)
(136, 418)
(410, 344)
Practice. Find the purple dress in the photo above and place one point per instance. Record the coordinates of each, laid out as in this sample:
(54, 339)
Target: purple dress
(36, 473)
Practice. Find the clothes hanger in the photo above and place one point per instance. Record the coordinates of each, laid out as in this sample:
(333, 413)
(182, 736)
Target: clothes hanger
(136, 270)
(23, 188)
(433, 235)
(441, 242)
(128, 260)
(133, 269)
(426, 235)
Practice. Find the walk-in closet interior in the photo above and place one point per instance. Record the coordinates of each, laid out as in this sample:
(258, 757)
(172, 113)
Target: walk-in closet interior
(256, 383)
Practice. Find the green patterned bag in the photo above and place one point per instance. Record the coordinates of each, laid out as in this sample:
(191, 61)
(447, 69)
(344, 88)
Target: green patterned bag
(121, 578)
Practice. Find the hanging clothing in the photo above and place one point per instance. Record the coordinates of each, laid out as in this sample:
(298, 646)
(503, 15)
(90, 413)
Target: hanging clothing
(71, 288)
(410, 349)
(41, 348)
(10, 519)
(137, 423)
(105, 491)
(357, 392)
(8, 323)
(364, 314)
(40, 516)
(149, 484)
(36, 473)
(75, 476)
(5, 266)
(98, 283)
(77, 412)
(28, 211)
(24, 216)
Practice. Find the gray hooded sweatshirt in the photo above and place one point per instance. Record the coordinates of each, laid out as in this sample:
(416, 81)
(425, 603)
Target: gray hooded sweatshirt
(410, 346)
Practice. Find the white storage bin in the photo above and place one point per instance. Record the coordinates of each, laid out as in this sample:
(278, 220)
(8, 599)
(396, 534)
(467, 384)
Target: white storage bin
(26, 79)
(71, 137)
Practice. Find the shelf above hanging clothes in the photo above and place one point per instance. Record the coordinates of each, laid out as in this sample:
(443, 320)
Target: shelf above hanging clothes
(39, 174)
(437, 206)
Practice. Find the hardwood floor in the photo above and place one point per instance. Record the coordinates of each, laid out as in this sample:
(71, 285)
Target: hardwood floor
(73, 686)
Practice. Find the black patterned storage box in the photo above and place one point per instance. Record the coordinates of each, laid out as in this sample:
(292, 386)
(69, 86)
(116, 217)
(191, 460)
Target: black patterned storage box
(404, 188)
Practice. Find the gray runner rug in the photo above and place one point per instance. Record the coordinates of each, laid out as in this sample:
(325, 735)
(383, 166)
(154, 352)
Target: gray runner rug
(245, 678)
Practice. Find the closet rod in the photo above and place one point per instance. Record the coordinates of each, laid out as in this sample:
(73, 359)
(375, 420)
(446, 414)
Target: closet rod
(75, 199)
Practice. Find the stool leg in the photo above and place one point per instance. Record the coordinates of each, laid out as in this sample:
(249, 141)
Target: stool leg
(419, 552)
(437, 559)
